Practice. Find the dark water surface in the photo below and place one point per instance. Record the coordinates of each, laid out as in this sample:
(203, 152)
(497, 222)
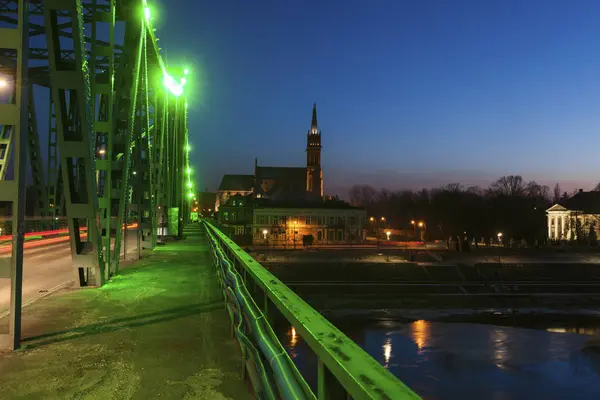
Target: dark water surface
(454, 360)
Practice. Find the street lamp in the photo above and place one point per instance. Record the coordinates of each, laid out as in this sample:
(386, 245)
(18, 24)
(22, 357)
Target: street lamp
(371, 219)
(388, 233)
(295, 223)
(499, 237)
(3, 83)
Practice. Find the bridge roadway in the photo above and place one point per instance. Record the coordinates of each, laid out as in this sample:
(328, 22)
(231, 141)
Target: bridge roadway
(47, 266)
(159, 329)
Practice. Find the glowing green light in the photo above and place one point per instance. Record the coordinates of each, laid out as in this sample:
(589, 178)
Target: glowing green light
(188, 148)
(188, 171)
(186, 71)
(147, 13)
(189, 184)
(183, 81)
(172, 85)
(190, 195)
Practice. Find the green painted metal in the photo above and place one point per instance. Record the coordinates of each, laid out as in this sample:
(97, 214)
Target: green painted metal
(173, 215)
(6, 144)
(266, 362)
(102, 72)
(94, 83)
(16, 115)
(143, 160)
(71, 95)
(342, 362)
(52, 173)
(35, 159)
(127, 91)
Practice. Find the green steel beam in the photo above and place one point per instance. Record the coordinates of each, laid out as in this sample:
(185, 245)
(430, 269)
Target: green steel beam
(341, 361)
(102, 70)
(70, 85)
(143, 160)
(52, 175)
(15, 114)
(6, 135)
(35, 160)
(126, 102)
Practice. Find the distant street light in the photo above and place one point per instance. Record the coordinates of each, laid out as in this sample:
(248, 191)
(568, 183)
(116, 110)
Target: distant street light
(420, 224)
(265, 233)
(499, 237)
(388, 233)
(295, 223)
(3, 83)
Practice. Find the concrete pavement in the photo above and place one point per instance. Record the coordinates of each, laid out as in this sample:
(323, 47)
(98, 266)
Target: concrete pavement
(159, 329)
(44, 269)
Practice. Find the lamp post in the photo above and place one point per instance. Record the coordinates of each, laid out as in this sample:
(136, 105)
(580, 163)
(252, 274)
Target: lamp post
(423, 226)
(295, 224)
(264, 232)
(499, 235)
(388, 233)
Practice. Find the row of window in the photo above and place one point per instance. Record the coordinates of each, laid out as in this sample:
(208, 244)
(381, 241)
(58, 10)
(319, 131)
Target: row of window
(328, 234)
(308, 220)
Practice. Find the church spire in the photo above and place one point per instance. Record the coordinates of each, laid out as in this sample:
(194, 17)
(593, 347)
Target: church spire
(314, 125)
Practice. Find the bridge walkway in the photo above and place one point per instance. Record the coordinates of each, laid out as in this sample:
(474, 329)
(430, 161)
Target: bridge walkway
(159, 329)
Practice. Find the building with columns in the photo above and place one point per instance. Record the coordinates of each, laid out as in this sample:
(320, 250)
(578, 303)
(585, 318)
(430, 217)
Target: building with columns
(578, 217)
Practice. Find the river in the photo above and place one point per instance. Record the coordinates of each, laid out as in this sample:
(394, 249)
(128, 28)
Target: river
(467, 360)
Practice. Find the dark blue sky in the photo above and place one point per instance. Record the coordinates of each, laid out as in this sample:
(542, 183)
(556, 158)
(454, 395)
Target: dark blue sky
(409, 93)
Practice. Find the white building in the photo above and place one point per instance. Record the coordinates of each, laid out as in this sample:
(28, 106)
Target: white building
(579, 216)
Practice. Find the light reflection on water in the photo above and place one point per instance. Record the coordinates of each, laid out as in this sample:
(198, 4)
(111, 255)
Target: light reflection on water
(475, 361)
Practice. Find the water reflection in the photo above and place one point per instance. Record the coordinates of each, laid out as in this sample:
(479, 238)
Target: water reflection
(387, 351)
(477, 361)
(500, 345)
(293, 341)
(420, 333)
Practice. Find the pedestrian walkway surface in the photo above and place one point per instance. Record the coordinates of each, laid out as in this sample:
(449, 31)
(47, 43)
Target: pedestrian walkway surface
(158, 330)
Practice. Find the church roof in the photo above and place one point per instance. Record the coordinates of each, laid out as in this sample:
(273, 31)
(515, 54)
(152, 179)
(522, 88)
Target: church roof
(587, 202)
(279, 173)
(237, 182)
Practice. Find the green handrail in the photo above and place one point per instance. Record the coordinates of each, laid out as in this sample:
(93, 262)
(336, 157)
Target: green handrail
(343, 366)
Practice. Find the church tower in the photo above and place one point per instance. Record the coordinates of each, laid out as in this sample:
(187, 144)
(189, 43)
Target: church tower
(314, 174)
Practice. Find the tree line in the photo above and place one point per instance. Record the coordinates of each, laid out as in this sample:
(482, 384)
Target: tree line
(510, 205)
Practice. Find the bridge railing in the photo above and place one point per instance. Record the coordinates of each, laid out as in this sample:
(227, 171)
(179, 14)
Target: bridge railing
(344, 370)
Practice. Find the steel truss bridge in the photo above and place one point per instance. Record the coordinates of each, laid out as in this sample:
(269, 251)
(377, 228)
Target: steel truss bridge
(117, 136)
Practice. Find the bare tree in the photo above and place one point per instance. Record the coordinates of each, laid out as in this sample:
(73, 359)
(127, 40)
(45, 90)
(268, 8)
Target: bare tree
(511, 185)
(453, 187)
(362, 195)
(596, 188)
(476, 190)
(556, 195)
(534, 189)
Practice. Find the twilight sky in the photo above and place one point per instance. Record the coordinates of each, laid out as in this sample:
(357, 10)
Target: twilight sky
(409, 94)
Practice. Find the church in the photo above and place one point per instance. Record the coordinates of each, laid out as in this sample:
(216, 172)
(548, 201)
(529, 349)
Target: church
(281, 183)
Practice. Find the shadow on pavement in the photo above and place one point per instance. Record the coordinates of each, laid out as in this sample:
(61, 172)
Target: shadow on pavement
(119, 324)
